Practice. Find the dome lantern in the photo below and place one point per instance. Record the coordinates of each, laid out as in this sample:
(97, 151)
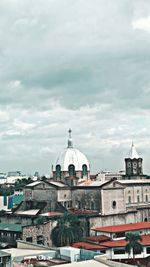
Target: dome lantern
(70, 142)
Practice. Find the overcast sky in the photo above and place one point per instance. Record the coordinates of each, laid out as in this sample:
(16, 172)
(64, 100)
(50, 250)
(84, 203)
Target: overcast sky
(80, 64)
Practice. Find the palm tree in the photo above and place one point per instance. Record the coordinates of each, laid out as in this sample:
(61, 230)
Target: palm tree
(133, 244)
(67, 230)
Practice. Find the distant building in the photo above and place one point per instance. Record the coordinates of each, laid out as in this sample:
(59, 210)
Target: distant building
(12, 177)
(108, 175)
(3, 178)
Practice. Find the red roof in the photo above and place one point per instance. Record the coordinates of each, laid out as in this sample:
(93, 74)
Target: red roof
(110, 244)
(122, 243)
(123, 227)
(88, 246)
(98, 238)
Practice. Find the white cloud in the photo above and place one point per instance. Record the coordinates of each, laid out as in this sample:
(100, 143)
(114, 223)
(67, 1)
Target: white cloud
(142, 24)
(75, 64)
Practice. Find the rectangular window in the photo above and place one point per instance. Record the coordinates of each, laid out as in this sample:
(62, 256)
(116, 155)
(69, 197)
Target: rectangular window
(29, 239)
(119, 251)
(138, 199)
(129, 199)
(40, 240)
(148, 250)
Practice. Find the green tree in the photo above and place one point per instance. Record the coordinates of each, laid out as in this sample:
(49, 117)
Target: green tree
(67, 230)
(133, 244)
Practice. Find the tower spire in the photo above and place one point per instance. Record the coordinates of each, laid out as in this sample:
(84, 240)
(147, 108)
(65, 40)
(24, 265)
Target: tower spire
(70, 143)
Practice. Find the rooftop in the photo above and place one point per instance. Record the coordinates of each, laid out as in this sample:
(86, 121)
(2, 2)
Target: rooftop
(58, 184)
(122, 243)
(52, 213)
(10, 227)
(123, 227)
(133, 181)
(88, 246)
(98, 238)
(110, 244)
(33, 184)
(27, 212)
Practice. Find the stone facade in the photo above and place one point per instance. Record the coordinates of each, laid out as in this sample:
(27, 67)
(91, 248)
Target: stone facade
(86, 198)
(39, 234)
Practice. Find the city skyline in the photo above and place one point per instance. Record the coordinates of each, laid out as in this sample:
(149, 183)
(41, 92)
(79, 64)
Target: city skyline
(74, 64)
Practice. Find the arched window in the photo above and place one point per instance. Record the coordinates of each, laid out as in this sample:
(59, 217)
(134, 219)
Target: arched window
(92, 205)
(58, 171)
(129, 199)
(84, 170)
(146, 198)
(71, 170)
(114, 204)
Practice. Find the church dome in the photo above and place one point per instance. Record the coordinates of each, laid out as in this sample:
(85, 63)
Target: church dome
(72, 156)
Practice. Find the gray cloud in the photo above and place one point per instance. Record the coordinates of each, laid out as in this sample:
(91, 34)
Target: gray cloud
(79, 64)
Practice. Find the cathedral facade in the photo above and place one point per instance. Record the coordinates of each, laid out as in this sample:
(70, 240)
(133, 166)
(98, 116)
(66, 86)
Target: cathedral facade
(97, 202)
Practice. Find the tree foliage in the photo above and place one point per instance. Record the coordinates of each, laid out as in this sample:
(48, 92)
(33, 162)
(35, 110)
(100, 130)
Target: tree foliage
(133, 244)
(67, 230)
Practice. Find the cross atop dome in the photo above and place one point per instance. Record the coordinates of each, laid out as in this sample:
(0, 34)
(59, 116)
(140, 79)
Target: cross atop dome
(70, 142)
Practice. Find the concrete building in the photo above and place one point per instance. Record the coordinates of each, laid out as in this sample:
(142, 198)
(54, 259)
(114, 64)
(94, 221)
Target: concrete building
(114, 248)
(98, 203)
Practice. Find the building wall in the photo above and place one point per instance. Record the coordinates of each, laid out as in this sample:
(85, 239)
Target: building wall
(137, 194)
(113, 199)
(43, 231)
(89, 199)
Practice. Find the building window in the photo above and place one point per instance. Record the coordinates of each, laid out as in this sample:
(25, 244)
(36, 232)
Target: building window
(58, 171)
(71, 170)
(40, 239)
(114, 204)
(138, 199)
(92, 205)
(84, 170)
(146, 198)
(119, 251)
(79, 205)
(129, 199)
(29, 239)
(148, 250)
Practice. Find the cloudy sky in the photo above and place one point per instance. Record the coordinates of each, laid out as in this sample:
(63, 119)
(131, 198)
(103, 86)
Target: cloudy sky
(80, 64)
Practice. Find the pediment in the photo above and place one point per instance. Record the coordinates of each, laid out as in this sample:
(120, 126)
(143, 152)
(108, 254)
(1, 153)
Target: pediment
(113, 184)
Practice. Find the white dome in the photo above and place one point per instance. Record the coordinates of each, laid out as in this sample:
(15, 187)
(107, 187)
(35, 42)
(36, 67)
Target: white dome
(72, 156)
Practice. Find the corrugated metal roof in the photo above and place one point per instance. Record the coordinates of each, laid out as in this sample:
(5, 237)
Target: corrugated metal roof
(33, 184)
(27, 212)
(59, 184)
(10, 227)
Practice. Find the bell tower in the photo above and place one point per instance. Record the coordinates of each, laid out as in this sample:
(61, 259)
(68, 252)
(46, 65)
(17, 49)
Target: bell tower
(133, 163)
